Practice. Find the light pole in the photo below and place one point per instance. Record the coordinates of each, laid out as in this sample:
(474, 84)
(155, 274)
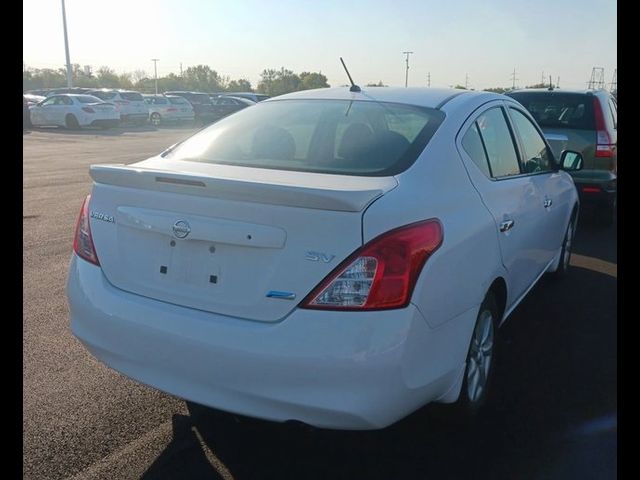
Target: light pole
(66, 47)
(406, 76)
(155, 71)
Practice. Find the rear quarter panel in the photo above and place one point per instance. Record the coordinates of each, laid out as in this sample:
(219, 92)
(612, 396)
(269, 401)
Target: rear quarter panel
(457, 276)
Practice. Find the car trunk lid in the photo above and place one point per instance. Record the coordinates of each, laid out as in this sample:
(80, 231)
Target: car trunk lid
(242, 242)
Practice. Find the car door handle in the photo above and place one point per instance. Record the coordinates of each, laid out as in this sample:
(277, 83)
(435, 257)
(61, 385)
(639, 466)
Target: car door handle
(548, 202)
(506, 225)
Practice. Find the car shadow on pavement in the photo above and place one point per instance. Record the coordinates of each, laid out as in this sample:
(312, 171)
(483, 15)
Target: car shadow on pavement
(91, 131)
(553, 413)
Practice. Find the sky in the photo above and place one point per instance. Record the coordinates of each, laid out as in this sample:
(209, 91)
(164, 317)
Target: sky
(478, 42)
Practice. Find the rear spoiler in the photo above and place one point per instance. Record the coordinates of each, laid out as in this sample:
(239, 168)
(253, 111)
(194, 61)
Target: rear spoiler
(318, 191)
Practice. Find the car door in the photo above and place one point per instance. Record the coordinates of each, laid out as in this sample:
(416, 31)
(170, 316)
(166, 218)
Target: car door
(39, 112)
(552, 186)
(488, 148)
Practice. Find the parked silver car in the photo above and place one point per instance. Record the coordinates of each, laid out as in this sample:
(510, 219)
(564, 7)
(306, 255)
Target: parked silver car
(169, 108)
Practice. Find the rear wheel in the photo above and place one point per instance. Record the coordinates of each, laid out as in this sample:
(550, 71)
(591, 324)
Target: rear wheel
(567, 245)
(480, 359)
(71, 122)
(155, 119)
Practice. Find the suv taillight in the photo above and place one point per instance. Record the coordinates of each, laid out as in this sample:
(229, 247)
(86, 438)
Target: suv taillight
(382, 273)
(604, 147)
(82, 241)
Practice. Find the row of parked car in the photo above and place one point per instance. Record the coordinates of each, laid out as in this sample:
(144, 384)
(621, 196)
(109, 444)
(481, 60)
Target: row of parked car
(105, 108)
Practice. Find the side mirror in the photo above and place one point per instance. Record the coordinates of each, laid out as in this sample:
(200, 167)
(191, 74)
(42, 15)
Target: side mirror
(571, 161)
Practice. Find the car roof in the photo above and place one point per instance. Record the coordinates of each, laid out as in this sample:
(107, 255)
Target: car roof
(583, 91)
(420, 96)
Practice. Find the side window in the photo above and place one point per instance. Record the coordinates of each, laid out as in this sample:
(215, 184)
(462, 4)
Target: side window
(49, 101)
(495, 134)
(67, 101)
(472, 144)
(537, 157)
(614, 113)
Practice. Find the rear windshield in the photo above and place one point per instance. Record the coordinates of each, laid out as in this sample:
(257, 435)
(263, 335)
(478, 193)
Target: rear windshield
(558, 110)
(178, 101)
(88, 99)
(132, 96)
(328, 136)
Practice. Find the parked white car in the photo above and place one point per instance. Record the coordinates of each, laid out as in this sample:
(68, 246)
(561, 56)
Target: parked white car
(166, 109)
(130, 104)
(334, 257)
(74, 111)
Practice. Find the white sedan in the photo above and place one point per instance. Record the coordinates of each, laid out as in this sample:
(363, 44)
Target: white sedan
(74, 111)
(335, 257)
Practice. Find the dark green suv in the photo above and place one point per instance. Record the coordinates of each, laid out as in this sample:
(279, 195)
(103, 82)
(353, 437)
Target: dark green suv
(584, 121)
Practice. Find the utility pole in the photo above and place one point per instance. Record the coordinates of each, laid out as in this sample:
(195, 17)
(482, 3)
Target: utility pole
(406, 76)
(429, 79)
(155, 71)
(181, 69)
(558, 82)
(513, 77)
(66, 47)
(466, 81)
(542, 81)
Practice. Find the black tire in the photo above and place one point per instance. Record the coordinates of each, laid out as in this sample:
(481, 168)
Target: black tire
(565, 254)
(155, 119)
(472, 398)
(71, 122)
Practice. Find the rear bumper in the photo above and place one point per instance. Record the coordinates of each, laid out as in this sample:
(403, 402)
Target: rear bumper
(328, 369)
(596, 187)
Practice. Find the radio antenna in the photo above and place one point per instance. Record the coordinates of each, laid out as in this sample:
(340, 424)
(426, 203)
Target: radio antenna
(354, 87)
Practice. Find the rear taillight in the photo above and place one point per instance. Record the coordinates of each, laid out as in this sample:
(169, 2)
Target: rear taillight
(88, 109)
(82, 241)
(382, 273)
(604, 147)
(591, 189)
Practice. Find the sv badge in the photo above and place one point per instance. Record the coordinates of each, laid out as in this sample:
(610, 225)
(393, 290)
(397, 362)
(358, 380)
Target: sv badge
(318, 257)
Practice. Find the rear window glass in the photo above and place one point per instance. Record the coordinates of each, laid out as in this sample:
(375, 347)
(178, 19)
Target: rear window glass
(88, 99)
(328, 136)
(178, 101)
(558, 110)
(132, 96)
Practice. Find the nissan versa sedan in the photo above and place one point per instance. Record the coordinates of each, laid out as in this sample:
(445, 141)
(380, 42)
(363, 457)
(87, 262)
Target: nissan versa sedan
(335, 257)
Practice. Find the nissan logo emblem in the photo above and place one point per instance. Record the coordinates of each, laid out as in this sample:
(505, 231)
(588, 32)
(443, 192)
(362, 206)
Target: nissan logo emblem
(181, 229)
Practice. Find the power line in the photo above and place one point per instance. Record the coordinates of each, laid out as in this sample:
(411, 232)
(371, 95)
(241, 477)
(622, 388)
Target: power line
(406, 76)
(597, 78)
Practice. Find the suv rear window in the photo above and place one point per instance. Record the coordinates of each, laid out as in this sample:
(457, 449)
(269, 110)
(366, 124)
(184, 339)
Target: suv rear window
(103, 95)
(178, 101)
(559, 110)
(327, 136)
(132, 96)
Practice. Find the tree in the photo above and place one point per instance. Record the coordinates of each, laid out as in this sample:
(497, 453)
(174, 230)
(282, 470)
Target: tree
(538, 85)
(138, 75)
(379, 84)
(107, 78)
(202, 78)
(460, 87)
(311, 80)
(241, 85)
(278, 82)
(496, 89)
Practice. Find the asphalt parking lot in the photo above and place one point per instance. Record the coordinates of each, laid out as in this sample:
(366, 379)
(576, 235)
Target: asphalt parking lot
(553, 415)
